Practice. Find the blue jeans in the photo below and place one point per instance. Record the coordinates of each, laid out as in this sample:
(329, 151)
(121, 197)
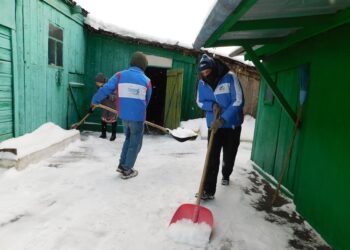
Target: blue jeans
(133, 131)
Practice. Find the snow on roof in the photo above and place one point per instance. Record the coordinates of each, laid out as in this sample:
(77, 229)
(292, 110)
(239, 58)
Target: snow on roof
(100, 25)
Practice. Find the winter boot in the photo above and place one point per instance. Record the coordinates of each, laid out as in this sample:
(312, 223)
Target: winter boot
(114, 131)
(120, 169)
(126, 174)
(206, 196)
(225, 181)
(103, 130)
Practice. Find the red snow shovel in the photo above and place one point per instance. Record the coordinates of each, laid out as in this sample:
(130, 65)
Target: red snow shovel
(195, 212)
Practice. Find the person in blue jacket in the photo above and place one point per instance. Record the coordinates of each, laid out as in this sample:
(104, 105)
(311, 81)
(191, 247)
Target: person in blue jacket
(220, 91)
(134, 92)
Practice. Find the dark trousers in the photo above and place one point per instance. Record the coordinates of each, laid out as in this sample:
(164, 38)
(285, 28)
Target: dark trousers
(228, 140)
(104, 127)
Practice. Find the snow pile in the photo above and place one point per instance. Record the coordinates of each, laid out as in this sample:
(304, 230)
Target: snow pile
(200, 125)
(41, 138)
(248, 127)
(192, 234)
(197, 125)
(183, 133)
(8, 156)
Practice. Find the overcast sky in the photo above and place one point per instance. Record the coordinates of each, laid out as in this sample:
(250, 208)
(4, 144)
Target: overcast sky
(179, 20)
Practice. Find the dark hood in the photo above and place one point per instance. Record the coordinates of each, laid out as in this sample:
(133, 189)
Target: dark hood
(218, 71)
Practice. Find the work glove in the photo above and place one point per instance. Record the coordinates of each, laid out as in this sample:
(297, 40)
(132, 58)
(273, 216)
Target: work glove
(216, 108)
(216, 124)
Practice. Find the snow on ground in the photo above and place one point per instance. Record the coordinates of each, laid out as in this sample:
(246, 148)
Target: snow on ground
(41, 138)
(76, 200)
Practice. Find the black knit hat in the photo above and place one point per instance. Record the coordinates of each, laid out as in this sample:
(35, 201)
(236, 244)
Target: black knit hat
(101, 78)
(138, 59)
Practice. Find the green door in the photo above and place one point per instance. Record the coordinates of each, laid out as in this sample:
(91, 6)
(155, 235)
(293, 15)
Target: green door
(173, 98)
(6, 85)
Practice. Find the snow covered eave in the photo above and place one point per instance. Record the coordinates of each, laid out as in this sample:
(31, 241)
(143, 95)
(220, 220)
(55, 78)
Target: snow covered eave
(219, 13)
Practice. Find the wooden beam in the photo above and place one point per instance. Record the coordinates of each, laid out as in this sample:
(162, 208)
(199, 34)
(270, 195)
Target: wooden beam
(230, 20)
(247, 42)
(271, 83)
(341, 18)
(282, 23)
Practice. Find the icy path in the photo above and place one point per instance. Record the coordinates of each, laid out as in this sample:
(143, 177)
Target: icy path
(75, 200)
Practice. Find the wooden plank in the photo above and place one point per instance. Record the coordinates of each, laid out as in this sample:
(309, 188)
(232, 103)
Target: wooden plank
(5, 68)
(6, 116)
(4, 31)
(5, 136)
(276, 92)
(5, 80)
(5, 43)
(5, 105)
(5, 127)
(5, 55)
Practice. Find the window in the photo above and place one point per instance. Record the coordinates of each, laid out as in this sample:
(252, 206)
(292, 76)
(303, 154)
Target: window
(55, 48)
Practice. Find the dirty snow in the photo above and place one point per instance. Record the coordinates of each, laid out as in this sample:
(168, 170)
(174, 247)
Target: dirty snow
(76, 200)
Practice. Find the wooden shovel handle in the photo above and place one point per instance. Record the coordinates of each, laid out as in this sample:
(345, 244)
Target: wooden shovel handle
(165, 130)
(205, 169)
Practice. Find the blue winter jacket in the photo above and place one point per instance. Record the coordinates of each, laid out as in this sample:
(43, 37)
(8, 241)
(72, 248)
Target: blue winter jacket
(134, 92)
(228, 94)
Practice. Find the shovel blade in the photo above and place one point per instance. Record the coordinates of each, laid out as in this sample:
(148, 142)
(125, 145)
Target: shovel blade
(189, 211)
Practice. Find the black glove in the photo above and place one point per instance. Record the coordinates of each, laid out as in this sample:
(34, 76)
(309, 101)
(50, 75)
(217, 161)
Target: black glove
(216, 124)
(216, 108)
(91, 109)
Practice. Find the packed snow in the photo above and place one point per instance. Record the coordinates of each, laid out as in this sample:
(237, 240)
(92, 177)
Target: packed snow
(183, 133)
(192, 234)
(76, 200)
(41, 138)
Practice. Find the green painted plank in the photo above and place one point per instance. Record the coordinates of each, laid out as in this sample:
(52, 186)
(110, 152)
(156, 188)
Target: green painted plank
(7, 13)
(280, 23)
(5, 80)
(247, 42)
(5, 105)
(341, 18)
(6, 127)
(5, 55)
(5, 136)
(277, 93)
(5, 43)
(5, 68)
(6, 116)
(4, 31)
(233, 18)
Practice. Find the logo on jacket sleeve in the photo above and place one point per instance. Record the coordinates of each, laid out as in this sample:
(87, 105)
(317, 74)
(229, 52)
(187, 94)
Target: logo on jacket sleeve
(223, 88)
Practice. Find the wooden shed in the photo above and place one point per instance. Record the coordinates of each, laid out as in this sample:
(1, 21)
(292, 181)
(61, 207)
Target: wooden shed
(300, 48)
(49, 57)
(42, 48)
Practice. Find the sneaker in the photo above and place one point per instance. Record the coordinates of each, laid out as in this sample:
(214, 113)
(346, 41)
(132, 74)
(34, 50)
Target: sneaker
(120, 169)
(126, 174)
(206, 196)
(225, 182)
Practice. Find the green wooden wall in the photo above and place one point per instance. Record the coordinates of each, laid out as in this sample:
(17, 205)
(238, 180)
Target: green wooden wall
(110, 55)
(320, 169)
(41, 90)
